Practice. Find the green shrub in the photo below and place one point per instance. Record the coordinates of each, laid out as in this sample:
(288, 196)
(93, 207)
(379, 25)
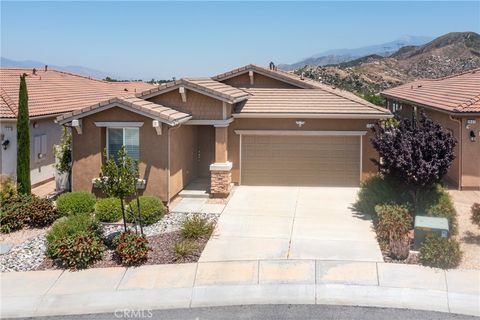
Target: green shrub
(80, 250)
(75, 203)
(152, 210)
(440, 252)
(443, 207)
(196, 227)
(184, 249)
(40, 212)
(476, 214)
(8, 189)
(108, 210)
(394, 222)
(132, 248)
(13, 213)
(375, 191)
(70, 226)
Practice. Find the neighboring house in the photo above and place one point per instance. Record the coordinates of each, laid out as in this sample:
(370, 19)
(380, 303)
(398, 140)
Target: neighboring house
(249, 126)
(454, 102)
(50, 93)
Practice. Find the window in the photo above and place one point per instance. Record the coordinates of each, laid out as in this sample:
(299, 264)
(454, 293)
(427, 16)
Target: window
(128, 137)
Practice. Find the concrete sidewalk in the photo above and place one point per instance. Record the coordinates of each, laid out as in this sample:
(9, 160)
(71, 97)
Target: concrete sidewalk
(56, 292)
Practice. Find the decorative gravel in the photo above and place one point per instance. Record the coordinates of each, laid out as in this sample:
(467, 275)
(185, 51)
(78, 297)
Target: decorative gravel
(26, 256)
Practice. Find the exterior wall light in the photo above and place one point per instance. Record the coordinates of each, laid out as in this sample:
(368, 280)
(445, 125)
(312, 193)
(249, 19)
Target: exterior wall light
(300, 123)
(5, 144)
(473, 137)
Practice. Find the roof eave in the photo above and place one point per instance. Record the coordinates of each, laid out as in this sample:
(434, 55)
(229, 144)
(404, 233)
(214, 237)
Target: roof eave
(312, 115)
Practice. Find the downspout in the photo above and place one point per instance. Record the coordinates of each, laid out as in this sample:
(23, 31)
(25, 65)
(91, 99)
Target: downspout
(175, 126)
(459, 150)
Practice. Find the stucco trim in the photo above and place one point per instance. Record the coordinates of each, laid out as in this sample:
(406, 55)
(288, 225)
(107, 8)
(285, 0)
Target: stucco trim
(118, 124)
(299, 133)
(312, 115)
(216, 123)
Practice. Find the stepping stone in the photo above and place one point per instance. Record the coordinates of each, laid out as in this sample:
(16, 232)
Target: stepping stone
(5, 247)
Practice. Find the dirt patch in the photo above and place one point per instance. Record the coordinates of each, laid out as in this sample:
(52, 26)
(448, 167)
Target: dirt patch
(22, 235)
(161, 253)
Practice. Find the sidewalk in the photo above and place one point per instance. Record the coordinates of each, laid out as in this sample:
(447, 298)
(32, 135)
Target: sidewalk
(56, 292)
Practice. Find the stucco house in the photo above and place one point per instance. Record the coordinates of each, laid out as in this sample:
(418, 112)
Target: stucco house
(454, 102)
(50, 94)
(249, 126)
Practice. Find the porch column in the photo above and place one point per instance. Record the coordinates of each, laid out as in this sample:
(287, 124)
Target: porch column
(221, 170)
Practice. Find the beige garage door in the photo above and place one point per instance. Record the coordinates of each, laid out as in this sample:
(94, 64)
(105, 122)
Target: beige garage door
(300, 160)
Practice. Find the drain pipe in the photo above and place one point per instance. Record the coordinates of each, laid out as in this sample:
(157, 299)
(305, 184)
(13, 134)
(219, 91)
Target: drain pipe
(459, 149)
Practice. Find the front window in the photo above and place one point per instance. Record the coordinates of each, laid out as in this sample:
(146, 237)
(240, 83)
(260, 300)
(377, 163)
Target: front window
(128, 137)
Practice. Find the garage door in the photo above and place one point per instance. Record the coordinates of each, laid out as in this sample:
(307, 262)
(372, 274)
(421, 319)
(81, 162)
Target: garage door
(300, 160)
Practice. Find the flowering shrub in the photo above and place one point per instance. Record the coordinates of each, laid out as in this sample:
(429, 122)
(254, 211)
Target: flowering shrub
(132, 248)
(40, 212)
(80, 250)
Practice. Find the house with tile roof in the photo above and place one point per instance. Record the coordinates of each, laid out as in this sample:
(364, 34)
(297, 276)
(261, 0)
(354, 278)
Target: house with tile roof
(454, 102)
(249, 126)
(51, 93)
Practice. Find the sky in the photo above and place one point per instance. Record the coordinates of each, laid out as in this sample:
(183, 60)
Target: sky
(162, 40)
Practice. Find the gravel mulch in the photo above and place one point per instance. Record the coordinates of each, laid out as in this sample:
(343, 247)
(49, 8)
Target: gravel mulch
(26, 256)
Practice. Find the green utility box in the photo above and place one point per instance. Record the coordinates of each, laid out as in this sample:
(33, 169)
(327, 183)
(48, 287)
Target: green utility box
(425, 226)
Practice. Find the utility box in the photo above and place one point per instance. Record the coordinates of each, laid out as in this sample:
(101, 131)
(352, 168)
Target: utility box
(425, 226)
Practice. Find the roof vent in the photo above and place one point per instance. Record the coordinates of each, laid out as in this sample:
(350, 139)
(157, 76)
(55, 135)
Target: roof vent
(46, 68)
(34, 71)
(272, 66)
(302, 77)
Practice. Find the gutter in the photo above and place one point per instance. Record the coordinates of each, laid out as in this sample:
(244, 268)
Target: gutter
(311, 115)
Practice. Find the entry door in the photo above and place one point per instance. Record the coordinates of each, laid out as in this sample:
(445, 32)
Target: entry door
(300, 160)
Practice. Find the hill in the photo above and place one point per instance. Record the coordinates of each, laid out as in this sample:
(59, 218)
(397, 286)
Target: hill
(446, 55)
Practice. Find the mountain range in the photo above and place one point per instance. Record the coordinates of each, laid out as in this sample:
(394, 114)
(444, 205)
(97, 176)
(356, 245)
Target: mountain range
(336, 56)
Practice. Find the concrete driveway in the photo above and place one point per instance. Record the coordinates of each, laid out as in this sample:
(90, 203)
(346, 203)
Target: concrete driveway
(292, 223)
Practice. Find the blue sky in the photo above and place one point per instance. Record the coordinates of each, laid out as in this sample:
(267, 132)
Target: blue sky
(165, 39)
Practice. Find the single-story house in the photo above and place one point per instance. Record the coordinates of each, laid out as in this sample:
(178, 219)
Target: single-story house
(454, 102)
(249, 126)
(50, 93)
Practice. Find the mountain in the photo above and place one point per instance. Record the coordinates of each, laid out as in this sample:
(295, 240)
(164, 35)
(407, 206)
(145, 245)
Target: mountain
(336, 56)
(449, 54)
(89, 72)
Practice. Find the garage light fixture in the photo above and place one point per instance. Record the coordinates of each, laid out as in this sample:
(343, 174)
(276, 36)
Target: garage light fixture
(300, 123)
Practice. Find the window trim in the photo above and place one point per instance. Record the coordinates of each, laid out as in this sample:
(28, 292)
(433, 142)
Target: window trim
(123, 138)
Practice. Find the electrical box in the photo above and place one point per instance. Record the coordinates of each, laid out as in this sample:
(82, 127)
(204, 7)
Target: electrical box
(425, 226)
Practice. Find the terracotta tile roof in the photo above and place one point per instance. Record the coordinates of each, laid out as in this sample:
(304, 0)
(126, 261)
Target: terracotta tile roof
(457, 93)
(156, 111)
(207, 86)
(296, 80)
(306, 101)
(54, 92)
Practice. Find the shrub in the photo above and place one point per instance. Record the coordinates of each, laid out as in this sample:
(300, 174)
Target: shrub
(8, 190)
(376, 190)
(440, 252)
(444, 208)
(476, 214)
(393, 226)
(108, 210)
(183, 249)
(40, 212)
(70, 226)
(151, 208)
(13, 213)
(132, 248)
(79, 250)
(196, 227)
(75, 203)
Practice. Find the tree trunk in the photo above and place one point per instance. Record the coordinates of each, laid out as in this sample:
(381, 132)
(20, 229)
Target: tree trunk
(123, 214)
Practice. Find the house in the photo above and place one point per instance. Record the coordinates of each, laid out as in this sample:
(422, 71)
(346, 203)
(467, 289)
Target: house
(454, 102)
(249, 126)
(50, 93)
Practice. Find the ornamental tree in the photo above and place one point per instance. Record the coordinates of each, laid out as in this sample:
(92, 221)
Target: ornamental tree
(63, 153)
(414, 154)
(118, 178)
(23, 139)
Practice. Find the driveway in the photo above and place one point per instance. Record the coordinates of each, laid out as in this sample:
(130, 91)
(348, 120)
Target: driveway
(292, 223)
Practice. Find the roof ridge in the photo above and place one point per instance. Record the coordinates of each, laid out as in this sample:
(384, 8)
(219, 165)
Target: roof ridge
(472, 71)
(8, 101)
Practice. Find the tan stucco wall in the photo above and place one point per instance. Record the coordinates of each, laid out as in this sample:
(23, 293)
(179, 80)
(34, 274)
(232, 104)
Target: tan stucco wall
(198, 105)
(260, 81)
(183, 148)
(88, 152)
(310, 124)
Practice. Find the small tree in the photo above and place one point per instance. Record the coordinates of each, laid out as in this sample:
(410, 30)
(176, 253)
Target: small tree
(63, 152)
(23, 139)
(415, 155)
(118, 178)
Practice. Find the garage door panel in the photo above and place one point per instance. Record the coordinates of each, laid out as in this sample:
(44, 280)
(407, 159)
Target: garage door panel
(301, 160)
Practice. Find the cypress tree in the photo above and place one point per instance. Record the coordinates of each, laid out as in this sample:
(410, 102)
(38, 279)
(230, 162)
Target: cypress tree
(23, 140)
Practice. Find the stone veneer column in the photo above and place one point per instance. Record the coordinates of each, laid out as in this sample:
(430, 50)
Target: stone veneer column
(221, 170)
